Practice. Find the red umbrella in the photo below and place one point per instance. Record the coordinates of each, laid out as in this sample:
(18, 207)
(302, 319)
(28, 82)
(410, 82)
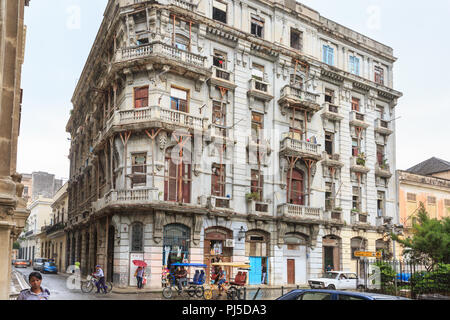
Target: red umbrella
(140, 263)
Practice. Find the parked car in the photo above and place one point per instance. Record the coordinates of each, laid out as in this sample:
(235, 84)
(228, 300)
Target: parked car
(39, 263)
(20, 263)
(313, 294)
(336, 280)
(49, 267)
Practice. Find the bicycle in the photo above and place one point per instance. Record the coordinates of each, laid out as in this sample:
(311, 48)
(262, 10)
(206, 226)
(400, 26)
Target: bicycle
(91, 283)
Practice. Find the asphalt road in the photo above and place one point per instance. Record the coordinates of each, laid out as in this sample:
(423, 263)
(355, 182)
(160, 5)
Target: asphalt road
(59, 290)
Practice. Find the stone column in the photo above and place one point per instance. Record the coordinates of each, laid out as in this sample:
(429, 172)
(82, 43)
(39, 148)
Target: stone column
(83, 258)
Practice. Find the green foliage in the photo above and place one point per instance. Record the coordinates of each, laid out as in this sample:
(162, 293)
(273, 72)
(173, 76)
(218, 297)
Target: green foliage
(430, 243)
(252, 196)
(16, 245)
(437, 281)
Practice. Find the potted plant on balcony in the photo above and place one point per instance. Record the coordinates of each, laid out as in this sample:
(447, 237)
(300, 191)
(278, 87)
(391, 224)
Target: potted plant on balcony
(253, 196)
(384, 164)
(361, 159)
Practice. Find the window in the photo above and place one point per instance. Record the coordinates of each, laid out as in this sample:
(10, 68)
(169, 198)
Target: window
(354, 65)
(380, 203)
(295, 194)
(137, 237)
(411, 197)
(257, 71)
(218, 180)
(328, 55)
(315, 296)
(139, 169)
(182, 42)
(355, 147)
(296, 39)
(355, 199)
(257, 27)
(219, 11)
(220, 59)
(257, 183)
(380, 154)
(328, 197)
(355, 104)
(380, 112)
(329, 95)
(349, 298)
(218, 113)
(177, 185)
(379, 75)
(431, 200)
(257, 126)
(296, 81)
(141, 97)
(329, 139)
(25, 191)
(295, 129)
(179, 100)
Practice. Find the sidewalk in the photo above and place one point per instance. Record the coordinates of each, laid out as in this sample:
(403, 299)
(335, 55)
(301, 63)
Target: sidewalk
(134, 290)
(18, 284)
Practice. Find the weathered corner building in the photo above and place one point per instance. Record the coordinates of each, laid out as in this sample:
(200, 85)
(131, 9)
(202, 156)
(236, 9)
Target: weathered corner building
(13, 212)
(255, 131)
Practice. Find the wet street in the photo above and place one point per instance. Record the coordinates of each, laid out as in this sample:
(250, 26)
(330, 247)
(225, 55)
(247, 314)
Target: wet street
(60, 290)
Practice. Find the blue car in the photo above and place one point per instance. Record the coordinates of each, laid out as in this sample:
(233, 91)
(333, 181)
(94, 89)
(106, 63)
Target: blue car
(49, 267)
(311, 294)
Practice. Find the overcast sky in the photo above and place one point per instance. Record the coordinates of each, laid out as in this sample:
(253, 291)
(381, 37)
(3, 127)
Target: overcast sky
(58, 43)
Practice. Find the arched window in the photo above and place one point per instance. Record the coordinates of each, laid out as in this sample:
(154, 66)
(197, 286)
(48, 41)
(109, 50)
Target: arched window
(295, 194)
(137, 237)
(358, 244)
(176, 243)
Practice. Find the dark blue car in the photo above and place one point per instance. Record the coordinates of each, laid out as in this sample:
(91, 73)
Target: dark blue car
(49, 267)
(311, 294)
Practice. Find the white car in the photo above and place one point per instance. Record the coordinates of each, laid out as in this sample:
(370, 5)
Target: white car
(336, 280)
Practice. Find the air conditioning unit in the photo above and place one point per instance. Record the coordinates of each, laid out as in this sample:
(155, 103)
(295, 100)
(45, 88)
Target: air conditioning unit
(229, 243)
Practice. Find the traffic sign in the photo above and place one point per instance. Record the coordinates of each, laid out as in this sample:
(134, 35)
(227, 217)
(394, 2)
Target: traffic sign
(368, 254)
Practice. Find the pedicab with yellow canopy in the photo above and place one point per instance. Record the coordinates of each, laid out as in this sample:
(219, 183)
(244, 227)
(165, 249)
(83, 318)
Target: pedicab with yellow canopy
(233, 289)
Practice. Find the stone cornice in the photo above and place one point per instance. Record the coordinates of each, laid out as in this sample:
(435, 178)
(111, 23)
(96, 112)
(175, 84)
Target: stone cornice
(423, 181)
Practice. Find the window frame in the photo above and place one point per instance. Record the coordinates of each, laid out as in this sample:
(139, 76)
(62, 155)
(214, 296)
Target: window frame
(328, 52)
(135, 99)
(219, 10)
(259, 24)
(299, 34)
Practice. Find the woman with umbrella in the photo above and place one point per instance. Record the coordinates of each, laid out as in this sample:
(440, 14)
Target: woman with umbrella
(140, 272)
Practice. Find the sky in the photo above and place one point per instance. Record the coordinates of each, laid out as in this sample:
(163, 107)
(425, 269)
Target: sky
(60, 34)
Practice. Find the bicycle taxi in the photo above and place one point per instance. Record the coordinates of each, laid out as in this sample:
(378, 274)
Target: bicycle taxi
(193, 287)
(233, 289)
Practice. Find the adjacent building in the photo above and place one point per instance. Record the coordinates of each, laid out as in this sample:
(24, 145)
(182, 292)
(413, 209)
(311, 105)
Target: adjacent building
(429, 183)
(13, 212)
(255, 132)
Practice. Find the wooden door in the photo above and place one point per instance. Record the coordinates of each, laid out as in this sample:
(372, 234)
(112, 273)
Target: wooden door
(296, 192)
(291, 271)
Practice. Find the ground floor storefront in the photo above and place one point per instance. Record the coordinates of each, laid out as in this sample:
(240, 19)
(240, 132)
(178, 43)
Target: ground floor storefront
(279, 252)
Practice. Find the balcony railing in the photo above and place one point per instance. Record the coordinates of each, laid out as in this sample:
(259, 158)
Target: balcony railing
(161, 49)
(383, 127)
(300, 212)
(383, 170)
(219, 202)
(332, 215)
(292, 146)
(260, 89)
(331, 112)
(218, 132)
(57, 227)
(188, 5)
(258, 207)
(359, 218)
(358, 119)
(131, 196)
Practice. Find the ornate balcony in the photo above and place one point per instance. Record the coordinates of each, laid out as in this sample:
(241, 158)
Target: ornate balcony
(219, 134)
(298, 148)
(155, 117)
(358, 165)
(358, 119)
(259, 208)
(219, 203)
(222, 78)
(166, 54)
(333, 216)
(383, 127)
(358, 218)
(331, 160)
(383, 171)
(260, 89)
(293, 211)
(331, 112)
(292, 96)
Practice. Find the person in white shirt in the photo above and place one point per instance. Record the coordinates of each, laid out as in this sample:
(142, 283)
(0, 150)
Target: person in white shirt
(101, 279)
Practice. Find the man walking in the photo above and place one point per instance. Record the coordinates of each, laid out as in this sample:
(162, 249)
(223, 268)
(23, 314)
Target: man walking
(100, 279)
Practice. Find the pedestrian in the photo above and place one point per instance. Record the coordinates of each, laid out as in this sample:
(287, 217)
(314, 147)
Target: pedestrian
(36, 292)
(100, 276)
(264, 273)
(139, 274)
(182, 277)
(329, 268)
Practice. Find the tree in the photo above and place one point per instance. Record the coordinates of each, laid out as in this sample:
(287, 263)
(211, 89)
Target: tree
(430, 241)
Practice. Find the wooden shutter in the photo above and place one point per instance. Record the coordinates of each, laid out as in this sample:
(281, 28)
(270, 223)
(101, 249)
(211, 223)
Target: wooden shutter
(141, 97)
